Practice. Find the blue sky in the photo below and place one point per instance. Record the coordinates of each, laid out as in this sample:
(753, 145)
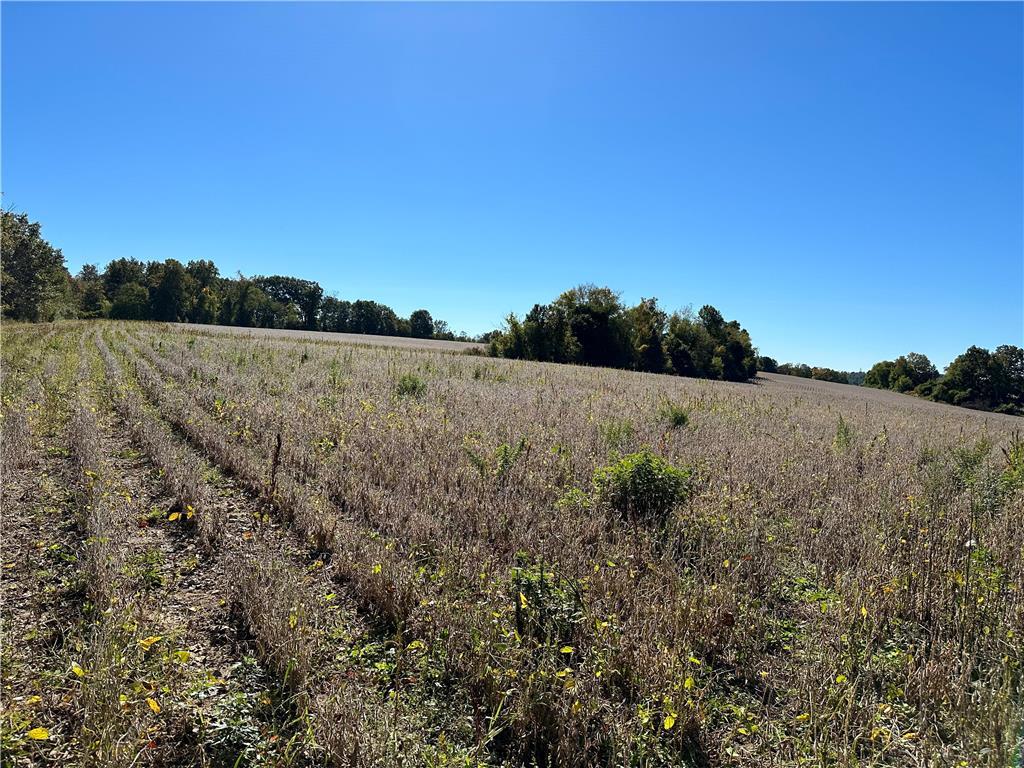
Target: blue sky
(846, 180)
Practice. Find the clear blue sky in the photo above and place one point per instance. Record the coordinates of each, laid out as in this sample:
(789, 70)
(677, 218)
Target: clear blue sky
(846, 180)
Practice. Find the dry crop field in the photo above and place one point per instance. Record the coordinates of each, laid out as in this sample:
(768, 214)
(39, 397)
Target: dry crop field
(242, 550)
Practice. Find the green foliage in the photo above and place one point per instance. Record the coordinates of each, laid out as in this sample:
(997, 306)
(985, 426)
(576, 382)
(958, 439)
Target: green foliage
(1013, 475)
(410, 385)
(707, 346)
(642, 486)
(548, 607)
(145, 568)
(130, 303)
(421, 324)
(676, 415)
(590, 325)
(616, 433)
(844, 435)
(34, 282)
(499, 462)
(976, 379)
(829, 374)
(796, 369)
(36, 286)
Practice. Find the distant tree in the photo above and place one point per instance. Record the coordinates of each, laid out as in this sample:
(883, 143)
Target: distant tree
(880, 375)
(92, 301)
(646, 323)
(169, 300)
(373, 318)
(203, 272)
(120, 272)
(511, 342)
(767, 364)
(596, 319)
(299, 300)
(968, 379)
(131, 302)
(829, 374)
(689, 346)
(442, 330)
(1007, 373)
(915, 368)
(421, 324)
(34, 281)
(855, 377)
(335, 314)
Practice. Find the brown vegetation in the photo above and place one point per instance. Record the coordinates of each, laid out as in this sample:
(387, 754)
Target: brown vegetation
(280, 551)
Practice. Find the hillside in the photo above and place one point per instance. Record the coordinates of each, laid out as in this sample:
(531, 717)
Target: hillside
(259, 547)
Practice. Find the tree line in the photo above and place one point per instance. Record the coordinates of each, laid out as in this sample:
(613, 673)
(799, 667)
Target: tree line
(979, 379)
(587, 325)
(989, 381)
(36, 286)
(804, 371)
(590, 325)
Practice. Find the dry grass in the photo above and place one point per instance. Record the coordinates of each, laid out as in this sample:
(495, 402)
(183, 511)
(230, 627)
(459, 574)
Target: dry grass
(461, 560)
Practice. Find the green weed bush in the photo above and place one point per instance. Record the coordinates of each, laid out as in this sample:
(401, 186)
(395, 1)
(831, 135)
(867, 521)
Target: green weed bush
(642, 486)
(410, 385)
(676, 415)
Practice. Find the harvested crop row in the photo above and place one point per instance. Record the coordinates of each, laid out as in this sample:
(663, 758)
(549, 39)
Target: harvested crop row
(370, 563)
(777, 555)
(327, 662)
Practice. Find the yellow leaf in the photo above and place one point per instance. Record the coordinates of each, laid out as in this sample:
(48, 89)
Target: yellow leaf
(688, 684)
(567, 649)
(77, 669)
(153, 705)
(33, 700)
(523, 601)
(670, 720)
(182, 656)
(840, 678)
(802, 717)
(148, 642)
(173, 516)
(863, 612)
(39, 734)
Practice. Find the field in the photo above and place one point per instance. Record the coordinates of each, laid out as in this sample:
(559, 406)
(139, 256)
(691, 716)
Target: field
(229, 549)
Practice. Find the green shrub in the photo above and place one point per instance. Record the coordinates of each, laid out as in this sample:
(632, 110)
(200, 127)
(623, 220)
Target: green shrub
(675, 415)
(410, 385)
(844, 435)
(616, 434)
(642, 486)
(547, 605)
(1013, 475)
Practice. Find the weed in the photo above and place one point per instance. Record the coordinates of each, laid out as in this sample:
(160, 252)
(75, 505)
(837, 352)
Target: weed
(844, 435)
(410, 385)
(144, 568)
(617, 434)
(677, 416)
(642, 486)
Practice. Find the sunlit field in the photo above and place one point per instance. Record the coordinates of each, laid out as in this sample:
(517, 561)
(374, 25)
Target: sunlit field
(229, 549)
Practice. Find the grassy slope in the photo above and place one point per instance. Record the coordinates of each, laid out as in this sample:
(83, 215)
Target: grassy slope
(407, 543)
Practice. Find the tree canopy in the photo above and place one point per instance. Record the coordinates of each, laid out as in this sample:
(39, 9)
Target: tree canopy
(34, 281)
(590, 325)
